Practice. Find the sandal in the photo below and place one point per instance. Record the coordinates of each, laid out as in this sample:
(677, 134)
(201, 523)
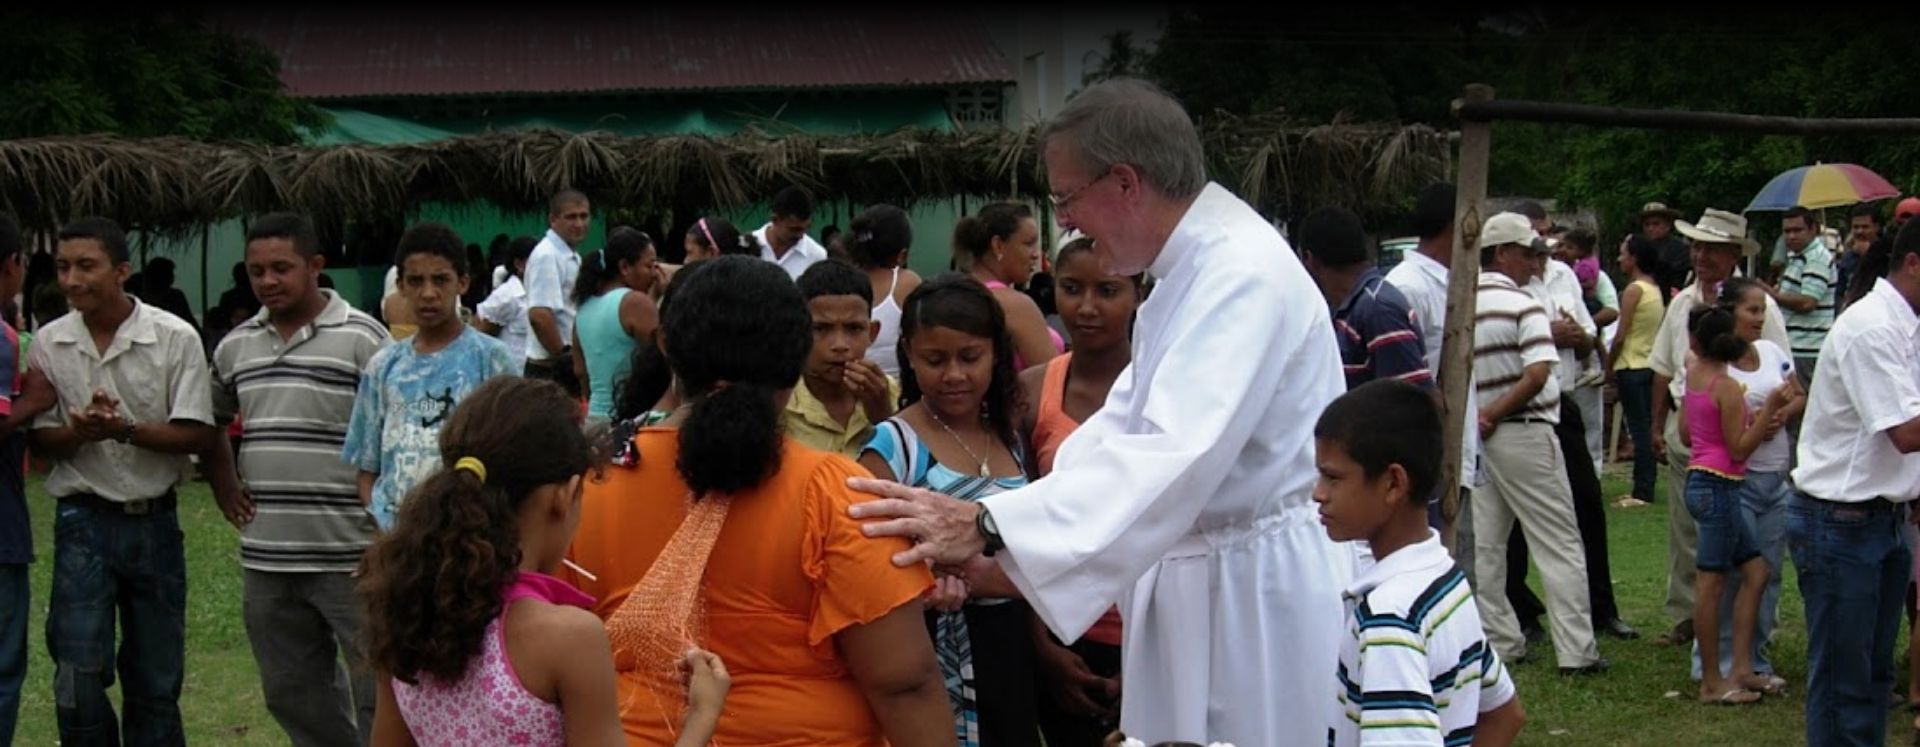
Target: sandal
(1769, 684)
(1680, 635)
(1735, 696)
(1628, 501)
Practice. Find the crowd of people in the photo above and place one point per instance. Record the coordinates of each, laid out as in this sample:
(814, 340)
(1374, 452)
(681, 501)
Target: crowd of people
(791, 492)
(1713, 367)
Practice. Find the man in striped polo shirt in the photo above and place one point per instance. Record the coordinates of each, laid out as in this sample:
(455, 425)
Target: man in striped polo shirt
(1513, 367)
(1805, 292)
(293, 370)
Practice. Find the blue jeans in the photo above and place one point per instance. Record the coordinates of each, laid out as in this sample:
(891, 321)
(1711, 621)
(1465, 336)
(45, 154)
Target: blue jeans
(1636, 404)
(1726, 539)
(14, 607)
(107, 562)
(1763, 500)
(1853, 567)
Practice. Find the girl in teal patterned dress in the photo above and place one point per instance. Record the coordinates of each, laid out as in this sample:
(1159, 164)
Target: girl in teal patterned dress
(954, 434)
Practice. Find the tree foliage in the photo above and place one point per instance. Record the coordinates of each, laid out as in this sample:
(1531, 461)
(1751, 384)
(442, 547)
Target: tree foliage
(1407, 63)
(141, 77)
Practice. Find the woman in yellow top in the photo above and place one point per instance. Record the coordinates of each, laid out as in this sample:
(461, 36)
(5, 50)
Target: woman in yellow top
(1642, 306)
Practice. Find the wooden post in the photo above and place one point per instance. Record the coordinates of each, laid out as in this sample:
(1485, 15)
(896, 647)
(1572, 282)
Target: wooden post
(206, 237)
(1456, 352)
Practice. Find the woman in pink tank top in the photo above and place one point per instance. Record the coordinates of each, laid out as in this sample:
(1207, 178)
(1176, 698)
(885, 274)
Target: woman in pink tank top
(1003, 243)
(1722, 431)
(1083, 677)
(473, 642)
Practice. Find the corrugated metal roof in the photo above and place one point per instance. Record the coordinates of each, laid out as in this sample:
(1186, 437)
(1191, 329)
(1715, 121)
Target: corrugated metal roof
(358, 53)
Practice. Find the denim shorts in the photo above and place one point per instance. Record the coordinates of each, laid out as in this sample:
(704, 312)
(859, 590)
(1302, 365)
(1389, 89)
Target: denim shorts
(1726, 539)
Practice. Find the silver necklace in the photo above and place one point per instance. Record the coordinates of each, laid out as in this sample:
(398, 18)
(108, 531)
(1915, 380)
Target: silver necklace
(984, 471)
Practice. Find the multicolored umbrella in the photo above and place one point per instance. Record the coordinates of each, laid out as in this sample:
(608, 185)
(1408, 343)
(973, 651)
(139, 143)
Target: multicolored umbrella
(1822, 186)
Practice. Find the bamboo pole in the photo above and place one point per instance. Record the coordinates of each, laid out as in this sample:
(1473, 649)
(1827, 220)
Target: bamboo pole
(1456, 352)
(1673, 119)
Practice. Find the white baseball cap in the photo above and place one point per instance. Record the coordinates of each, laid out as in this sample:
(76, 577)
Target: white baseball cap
(1507, 228)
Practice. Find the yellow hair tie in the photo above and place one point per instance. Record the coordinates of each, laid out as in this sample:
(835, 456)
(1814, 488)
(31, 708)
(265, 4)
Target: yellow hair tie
(474, 465)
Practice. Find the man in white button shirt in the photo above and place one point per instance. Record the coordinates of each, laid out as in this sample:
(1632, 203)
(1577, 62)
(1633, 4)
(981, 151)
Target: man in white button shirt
(1422, 277)
(1858, 472)
(551, 270)
(784, 240)
(1719, 240)
(135, 399)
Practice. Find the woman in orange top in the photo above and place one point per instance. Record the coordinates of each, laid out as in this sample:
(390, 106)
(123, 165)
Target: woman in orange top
(758, 559)
(1082, 679)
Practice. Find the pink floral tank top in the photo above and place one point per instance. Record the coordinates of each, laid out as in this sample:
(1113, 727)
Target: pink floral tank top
(489, 705)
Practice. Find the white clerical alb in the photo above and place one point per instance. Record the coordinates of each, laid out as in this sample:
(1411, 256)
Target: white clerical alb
(1189, 493)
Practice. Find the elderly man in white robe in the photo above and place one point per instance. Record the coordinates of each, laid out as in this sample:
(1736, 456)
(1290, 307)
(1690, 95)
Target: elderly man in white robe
(1187, 496)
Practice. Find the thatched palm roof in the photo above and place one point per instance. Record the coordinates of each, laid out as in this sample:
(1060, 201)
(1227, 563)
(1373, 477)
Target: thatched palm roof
(168, 184)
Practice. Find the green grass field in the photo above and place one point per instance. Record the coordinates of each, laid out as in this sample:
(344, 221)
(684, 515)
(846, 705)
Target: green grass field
(1628, 706)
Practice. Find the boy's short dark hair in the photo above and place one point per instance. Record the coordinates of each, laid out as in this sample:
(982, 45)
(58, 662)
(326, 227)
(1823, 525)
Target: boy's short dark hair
(107, 232)
(1388, 422)
(835, 278)
(436, 239)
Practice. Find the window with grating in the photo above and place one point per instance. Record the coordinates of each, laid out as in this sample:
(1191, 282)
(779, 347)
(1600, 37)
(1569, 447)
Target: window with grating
(977, 107)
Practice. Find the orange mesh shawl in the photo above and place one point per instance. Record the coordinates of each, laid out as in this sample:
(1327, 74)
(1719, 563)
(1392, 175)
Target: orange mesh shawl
(664, 614)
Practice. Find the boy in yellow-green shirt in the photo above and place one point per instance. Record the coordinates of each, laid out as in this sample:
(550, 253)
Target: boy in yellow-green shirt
(841, 394)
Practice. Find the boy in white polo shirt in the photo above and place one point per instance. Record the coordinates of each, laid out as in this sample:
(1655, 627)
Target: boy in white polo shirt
(1415, 667)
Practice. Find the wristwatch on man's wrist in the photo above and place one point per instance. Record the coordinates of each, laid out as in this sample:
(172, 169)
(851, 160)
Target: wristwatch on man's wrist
(125, 435)
(989, 531)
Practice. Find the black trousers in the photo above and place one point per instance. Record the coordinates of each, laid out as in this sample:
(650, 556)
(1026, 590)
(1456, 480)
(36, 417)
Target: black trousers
(1589, 511)
(559, 370)
(1006, 690)
(1063, 729)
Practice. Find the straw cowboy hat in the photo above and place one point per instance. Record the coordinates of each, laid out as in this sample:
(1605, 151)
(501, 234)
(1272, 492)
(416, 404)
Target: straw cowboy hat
(1720, 227)
(1656, 208)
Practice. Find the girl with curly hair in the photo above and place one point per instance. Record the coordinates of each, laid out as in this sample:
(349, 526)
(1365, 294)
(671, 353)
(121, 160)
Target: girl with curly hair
(473, 642)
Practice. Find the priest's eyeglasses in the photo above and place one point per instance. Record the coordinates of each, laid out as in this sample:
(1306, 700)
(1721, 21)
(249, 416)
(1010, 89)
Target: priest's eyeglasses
(1061, 202)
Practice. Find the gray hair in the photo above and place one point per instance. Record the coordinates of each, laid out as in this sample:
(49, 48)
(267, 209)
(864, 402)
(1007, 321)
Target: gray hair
(1131, 121)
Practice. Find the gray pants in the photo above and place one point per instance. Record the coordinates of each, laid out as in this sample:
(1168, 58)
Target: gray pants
(1527, 482)
(1463, 536)
(1593, 415)
(1683, 536)
(301, 625)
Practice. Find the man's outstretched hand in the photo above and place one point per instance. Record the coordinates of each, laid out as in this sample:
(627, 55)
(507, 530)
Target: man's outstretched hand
(941, 527)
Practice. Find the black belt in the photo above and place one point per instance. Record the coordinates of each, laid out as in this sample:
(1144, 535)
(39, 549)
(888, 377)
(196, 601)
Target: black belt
(1875, 505)
(165, 502)
(1528, 421)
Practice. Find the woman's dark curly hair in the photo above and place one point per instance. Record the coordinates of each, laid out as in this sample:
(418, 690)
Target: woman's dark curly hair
(960, 303)
(433, 584)
(736, 333)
